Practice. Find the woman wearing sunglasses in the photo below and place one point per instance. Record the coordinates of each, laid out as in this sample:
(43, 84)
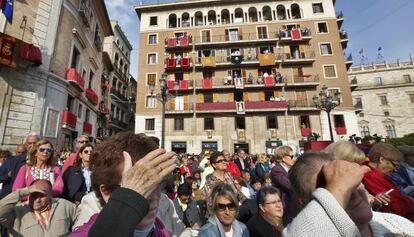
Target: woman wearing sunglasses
(41, 165)
(224, 209)
(77, 178)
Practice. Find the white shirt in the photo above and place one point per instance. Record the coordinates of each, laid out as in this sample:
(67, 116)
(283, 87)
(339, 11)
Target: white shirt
(230, 233)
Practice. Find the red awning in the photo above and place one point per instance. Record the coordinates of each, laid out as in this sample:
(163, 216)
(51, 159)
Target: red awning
(31, 53)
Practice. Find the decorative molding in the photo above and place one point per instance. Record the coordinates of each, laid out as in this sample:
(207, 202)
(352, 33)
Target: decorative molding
(75, 32)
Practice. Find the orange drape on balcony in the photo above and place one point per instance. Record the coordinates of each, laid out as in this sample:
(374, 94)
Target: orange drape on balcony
(267, 59)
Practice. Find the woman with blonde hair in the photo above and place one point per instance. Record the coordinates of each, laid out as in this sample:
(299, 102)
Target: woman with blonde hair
(345, 150)
(262, 167)
(41, 165)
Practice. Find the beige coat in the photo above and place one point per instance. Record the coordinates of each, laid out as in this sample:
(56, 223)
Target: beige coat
(20, 221)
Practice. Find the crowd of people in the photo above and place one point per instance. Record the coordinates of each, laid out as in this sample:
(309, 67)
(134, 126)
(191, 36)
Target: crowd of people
(128, 186)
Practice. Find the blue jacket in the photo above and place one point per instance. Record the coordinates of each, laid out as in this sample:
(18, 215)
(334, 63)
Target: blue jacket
(13, 164)
(213, 229)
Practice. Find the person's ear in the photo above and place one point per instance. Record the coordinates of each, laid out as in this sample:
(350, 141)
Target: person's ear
(381, 160)
(261, 208)
(104, 191)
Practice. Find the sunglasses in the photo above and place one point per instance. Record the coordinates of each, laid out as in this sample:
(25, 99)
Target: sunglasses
(82, 142)
(48, 150)
(223, 207)
(221, 161)
(87, 151)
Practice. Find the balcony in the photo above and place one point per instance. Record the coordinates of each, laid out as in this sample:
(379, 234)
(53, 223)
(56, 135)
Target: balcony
(358, 106)
(250, 106)
(339, 19)
(301, 81)
(69, 119)
(340, 130)
(181, 108)
(87, 127)
(353, 83)
(103, 109)
(208, 62)
(267, 59)
(344, 38)
(348, 61)
(299, 57)
(119, 123)
(183, 85)
(117, 94)
(256, 106)
(92, 96)
(178, 63)
(301, 105)
(104, 84)
(305, 132)
(216, 107)
(178, 42)
(84, 12)
(73, 77)
(283, 35)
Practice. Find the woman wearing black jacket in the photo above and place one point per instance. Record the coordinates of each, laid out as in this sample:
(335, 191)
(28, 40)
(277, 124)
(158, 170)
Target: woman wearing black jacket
(77, 178)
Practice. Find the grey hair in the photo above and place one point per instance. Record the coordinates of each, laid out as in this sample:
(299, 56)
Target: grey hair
(32, 134)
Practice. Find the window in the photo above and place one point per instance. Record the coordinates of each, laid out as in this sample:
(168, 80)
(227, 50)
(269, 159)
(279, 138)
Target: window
(149, 124)
(87, 115)
(358, 103)
(339, 121)
(153, 21)
(262, 32)
(272, 122)
(269, 95)
(208, 98)
(378, 81)
(333, 91)
(205, 36)
(152, 58)
(178, 124)
(411, 97)
(150, 102)
(232, 34)
(240, 123)
(70, 104)
(79, 110)
(151, 79)
(330, 71)
(383, 99)
(407, 78)
(91, 77)
(75, 58)
(326, 49)
(113, 110)
(152, 39)
(386, 113)
(304, 121)
(208, 123)
(364, 131)
(322, 27)
(317, 7)
(390, 130)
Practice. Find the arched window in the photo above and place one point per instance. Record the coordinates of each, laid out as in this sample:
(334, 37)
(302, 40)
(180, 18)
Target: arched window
(172, 21)
(267, 13)
(281, 12)
(295, 11)
(212, 18)
(225, 16)
(121, 64)
(238, 15)
(253, 14)
(185, 19)
(390, 130)
(198, 18)
(116, 60)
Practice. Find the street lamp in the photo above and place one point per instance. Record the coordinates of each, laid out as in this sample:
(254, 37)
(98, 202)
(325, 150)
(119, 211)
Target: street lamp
(327, 102)
(163, 97)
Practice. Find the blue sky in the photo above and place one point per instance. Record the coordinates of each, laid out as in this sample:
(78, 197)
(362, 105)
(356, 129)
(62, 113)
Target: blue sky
(370, 24)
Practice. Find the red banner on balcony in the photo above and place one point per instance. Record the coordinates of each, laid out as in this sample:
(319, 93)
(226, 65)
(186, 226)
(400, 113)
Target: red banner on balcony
(340, 130)
(185, 63)
(170, 85)
(184, 41)
(305, 132)
(171, 63)
(30, 53)
(87, 127)
(73, 76)
(269, 81)
(92, 96)
(103, 108)
(296, 34)
(171, 42)
(216, 106)
(183, 84)
(69, 119)
(207, 83)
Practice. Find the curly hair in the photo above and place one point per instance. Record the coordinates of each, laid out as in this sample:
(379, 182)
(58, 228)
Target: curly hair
(107, 159)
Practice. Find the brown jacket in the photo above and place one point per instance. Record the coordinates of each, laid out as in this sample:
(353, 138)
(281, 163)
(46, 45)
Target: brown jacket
(20, 221)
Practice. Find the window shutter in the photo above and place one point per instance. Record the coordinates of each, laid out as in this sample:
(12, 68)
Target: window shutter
(230, 97)
(171, 105)
(302, 51)
(186, 105)
(277, 94)
(215, 97)
(201, 98)
(245, 96)
(261, 96)
(226, 33)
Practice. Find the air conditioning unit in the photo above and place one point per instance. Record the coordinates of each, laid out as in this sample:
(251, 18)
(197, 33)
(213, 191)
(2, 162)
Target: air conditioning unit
(241, 135)
(273, 133)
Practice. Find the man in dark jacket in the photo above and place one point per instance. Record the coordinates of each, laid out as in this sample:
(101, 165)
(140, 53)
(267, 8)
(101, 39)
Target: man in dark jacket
(280, 178)
(187, 209)
(241, 161)
(10, 168)
(268, 221)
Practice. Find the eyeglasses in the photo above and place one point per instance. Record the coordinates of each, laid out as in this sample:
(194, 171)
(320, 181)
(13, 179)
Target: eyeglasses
(87, 151)
(224, 207)
(221, 161)
(274, 203)
(83, 142)
(48, 150)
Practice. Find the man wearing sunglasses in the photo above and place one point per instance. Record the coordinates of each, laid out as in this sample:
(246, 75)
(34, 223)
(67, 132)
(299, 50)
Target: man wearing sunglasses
(78, 143)
(10, 168)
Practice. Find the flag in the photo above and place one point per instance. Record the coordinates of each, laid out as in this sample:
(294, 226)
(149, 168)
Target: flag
(8, 10)
(361, 51)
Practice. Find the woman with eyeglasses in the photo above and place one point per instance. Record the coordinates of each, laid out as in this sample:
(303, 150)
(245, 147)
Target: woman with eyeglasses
(77, 178)
(220, 175)
(41, 165)
(224, 209)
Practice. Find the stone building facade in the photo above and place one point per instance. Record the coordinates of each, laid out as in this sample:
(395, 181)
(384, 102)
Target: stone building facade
(383, 96)
(241, 75)
(58, 99)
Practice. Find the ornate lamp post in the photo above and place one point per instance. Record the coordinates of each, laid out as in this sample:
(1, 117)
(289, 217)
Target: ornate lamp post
(163, 97)
(327, 102)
